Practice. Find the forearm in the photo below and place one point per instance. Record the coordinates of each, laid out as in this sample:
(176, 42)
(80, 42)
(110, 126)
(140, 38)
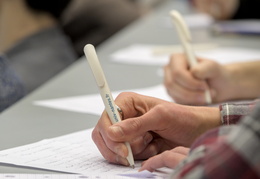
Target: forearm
(244, 80)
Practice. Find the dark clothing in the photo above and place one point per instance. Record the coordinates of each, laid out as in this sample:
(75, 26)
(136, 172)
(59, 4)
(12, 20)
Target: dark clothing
(31, 62)
(39, 57)
(94, 21)
(11, 87)
(248, 9)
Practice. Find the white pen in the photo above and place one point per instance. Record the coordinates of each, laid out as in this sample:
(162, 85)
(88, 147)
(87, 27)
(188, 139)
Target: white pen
(185, 37)
(110, 106)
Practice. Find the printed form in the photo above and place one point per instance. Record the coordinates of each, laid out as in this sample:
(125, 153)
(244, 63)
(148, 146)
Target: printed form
(66, 176)
(74, 153)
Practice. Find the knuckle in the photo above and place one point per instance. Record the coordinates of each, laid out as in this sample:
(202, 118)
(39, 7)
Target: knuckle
(178, 100)
(136, 124)
(153, 150)
(176, 74)
(94, 135)
(167, 83)
(177, 149)
(162, 109)
(166, 154)
(124, 95)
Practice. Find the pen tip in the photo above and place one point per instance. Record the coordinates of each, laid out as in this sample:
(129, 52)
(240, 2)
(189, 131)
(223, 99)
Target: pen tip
(132, 166)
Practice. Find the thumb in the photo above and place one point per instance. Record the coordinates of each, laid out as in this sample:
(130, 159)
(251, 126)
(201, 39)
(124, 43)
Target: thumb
(204, 70)
(131, 128)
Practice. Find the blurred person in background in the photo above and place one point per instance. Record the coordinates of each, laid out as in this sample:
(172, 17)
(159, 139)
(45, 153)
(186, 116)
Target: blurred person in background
(33, 41)
(235, 81)
(41, 38)
(231, 9)
(92, 22)
(33, 46)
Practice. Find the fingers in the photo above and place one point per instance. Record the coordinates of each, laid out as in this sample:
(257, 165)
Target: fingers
(143, 146)
(151, 149)
(206, 69)
(149, 114)
(181, 84)
(112, 148)
(136, 131)
(134, 105)
(108, 154)
(177, 71)
(131, 128)
(141, 142)
(183, 95)
(168, 159)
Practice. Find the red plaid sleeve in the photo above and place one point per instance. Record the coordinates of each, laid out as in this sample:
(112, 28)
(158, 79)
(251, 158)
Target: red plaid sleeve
(225, 152)
(232, 113)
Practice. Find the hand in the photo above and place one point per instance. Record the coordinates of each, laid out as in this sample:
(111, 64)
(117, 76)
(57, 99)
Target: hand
(151, 126)
(169, 158)
(187, 86)
(219, 9)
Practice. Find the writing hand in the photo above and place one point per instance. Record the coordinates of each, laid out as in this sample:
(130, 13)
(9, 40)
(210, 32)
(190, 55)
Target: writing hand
(151, 126)
(187, 86)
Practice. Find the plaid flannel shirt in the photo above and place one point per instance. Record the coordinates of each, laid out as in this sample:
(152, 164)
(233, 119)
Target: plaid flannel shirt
(230, 151)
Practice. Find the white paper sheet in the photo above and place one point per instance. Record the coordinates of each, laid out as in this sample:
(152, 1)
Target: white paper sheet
(193, 21)
(142, 54)
(93, 104)
(73, 153)
(66, 176)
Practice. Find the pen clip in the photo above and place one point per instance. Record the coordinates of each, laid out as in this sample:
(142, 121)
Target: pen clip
(181, 25)
(95, 66)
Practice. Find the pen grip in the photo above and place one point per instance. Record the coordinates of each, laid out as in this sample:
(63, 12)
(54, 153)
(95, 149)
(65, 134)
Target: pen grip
(110, 105)
(114, 116)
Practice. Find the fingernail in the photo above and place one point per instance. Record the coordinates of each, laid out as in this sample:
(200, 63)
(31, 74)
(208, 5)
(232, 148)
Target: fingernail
(142, 166)
(141, 169)
(117, 130)
(120, 152)
(147, 138)
(121, 160)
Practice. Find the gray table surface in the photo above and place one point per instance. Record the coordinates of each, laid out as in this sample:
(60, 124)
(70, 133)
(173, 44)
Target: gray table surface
(25, 123)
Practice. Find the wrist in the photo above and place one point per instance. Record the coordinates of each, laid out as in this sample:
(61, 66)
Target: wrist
(206, 119)
(209, 118)
(244, 80)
